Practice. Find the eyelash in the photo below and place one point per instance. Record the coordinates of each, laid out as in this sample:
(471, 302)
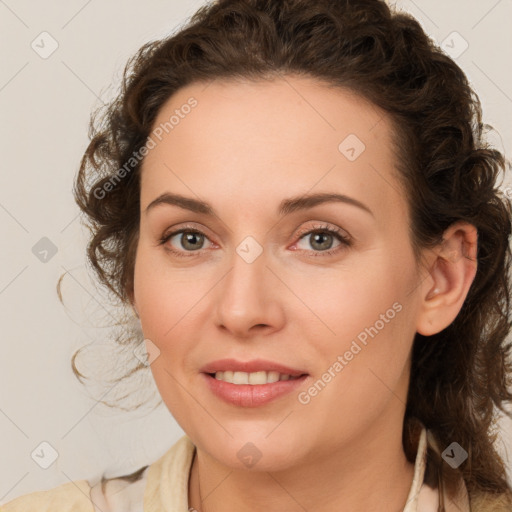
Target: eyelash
(345, 241)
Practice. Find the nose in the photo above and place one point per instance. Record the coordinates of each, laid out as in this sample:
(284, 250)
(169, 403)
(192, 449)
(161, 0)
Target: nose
(249, 299)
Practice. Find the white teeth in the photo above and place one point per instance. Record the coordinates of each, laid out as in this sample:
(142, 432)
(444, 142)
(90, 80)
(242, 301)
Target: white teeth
(261, 377)
(240, 378)
(258, 378)
(272, 376)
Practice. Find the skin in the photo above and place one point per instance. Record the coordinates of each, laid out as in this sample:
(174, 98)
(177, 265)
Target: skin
(244, 148)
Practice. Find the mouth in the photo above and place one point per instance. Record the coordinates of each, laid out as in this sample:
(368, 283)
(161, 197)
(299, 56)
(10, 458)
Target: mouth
(252, 383)
(253, 378)
(227, 369)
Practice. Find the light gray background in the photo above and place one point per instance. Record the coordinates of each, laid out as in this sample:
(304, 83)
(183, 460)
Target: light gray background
(45, 106)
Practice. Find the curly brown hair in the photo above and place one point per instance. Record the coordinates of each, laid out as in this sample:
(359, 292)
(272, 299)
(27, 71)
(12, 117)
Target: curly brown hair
(461, 376)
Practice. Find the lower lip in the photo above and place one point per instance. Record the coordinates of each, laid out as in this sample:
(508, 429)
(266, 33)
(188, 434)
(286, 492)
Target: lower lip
(249, 395)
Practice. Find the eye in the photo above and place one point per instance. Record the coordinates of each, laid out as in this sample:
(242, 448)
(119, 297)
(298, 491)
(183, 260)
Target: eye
(186, 240)
(321, 239)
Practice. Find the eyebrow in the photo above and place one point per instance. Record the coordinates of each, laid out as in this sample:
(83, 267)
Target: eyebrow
(286, 206)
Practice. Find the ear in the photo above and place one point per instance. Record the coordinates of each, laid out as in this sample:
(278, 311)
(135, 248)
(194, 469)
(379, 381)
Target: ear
(452, 268)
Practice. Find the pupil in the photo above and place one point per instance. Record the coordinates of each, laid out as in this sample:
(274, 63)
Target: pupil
(319, 236)
(191, 238)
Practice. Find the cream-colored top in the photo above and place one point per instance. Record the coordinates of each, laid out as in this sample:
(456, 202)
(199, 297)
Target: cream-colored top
(163, 487)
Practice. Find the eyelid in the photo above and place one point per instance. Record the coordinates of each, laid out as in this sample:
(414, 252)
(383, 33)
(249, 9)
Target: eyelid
(325, 227)
(175, 229)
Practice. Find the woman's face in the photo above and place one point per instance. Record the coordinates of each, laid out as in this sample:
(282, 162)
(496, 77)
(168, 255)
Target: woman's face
(339, 304)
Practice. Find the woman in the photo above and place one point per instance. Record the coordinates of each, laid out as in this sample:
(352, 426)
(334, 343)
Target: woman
(296, 200)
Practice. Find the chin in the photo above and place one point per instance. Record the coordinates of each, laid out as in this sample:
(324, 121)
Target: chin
(254, 451)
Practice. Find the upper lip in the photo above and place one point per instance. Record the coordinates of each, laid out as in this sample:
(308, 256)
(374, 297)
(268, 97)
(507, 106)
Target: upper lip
(255, 365)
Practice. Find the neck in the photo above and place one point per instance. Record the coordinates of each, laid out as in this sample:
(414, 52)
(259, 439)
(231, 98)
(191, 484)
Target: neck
(372, 473)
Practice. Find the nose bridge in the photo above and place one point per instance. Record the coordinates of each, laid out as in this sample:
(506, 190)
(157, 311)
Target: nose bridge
(243, 284)
(246, 296)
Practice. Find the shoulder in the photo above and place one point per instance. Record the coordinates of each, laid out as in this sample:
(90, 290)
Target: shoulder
(107, 495)
(163, 483)
(490, 502)
(122, 493)
(68, 497)
(167, 487)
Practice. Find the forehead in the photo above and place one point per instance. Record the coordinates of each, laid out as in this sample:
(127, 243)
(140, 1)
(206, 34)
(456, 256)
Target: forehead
(258, 141)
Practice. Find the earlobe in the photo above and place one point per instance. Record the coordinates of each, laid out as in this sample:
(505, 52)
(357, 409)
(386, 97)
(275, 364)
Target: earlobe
(452, 271)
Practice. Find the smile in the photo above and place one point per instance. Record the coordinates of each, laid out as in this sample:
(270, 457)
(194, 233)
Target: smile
(253, 378)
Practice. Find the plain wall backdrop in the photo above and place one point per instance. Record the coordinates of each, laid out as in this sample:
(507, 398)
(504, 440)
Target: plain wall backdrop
(60, 60)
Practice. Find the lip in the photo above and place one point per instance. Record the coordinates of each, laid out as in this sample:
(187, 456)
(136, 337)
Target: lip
(255, 365)
(249, 395)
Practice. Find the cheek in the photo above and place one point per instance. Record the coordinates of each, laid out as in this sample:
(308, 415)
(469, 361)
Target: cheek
(169, 303)
(165, 297)
(370, 320)
(363, 368)
(165, 307)
(354, 300)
